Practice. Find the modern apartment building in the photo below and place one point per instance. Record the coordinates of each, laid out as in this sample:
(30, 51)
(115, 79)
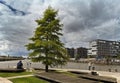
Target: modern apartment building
(80, 52)
(71, 52)
(104, 48)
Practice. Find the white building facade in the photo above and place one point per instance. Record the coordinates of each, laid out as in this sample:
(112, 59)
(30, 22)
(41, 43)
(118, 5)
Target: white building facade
(103, 48)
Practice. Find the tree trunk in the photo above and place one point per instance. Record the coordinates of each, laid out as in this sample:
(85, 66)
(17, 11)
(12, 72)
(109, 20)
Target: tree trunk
(46, 68)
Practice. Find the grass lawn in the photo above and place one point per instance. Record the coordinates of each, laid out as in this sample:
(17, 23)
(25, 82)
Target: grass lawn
(28, 80)
(8, 74)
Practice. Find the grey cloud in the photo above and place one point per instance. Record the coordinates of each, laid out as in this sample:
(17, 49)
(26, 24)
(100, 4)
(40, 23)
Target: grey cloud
(94, 14)
(84, 20)
(86, 17)
(16, 31)
(13, 10)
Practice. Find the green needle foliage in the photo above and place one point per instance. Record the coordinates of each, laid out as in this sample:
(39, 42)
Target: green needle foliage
(46, 45)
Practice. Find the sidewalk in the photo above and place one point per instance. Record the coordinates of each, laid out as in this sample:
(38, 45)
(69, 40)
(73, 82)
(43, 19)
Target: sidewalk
(101, 73)
(13, 77)
(110, 74)
(4, 80)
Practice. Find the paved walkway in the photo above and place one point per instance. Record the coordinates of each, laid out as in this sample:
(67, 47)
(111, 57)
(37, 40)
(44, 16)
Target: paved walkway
(19, 76)
(101, 73)
(4, 80)
(107, 74)
(110, 74)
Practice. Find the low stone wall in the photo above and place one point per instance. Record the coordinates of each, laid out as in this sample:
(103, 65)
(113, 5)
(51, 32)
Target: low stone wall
(11, 70)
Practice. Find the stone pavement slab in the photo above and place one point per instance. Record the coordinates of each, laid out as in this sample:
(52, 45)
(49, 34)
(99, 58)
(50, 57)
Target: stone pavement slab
(11, 70)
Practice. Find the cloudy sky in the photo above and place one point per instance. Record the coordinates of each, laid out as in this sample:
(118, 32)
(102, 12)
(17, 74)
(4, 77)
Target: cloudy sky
(84, 20)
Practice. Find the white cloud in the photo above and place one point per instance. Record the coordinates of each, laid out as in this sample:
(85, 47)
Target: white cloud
(84, 20)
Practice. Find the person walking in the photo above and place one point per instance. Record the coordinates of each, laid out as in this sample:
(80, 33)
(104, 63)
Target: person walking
(93, 66)
(89, 65)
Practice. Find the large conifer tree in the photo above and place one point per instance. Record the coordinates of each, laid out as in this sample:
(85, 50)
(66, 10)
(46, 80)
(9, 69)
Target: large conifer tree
(46, 45)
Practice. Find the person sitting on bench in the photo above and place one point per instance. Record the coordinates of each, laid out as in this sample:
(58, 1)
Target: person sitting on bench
(20, 65)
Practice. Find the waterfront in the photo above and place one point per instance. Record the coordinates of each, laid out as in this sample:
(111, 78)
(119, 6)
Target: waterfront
(69, 65)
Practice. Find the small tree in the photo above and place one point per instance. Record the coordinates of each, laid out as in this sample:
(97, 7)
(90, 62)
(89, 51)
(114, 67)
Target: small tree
(77, 57)
(46, 45)
(118, 55)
